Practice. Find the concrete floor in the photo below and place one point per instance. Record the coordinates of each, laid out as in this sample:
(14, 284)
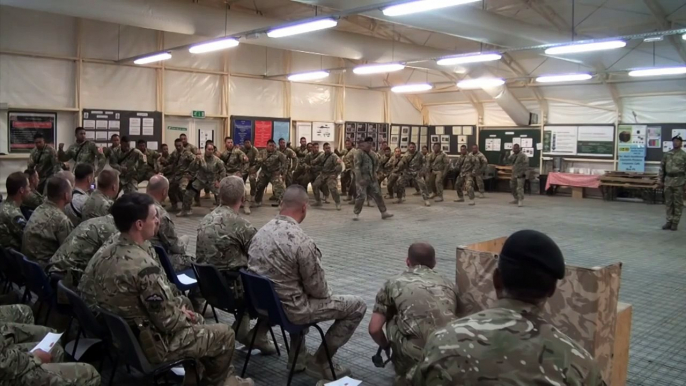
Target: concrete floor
(360, 256)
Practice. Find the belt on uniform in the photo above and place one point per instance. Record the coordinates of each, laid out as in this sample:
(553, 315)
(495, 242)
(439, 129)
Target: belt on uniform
(676, 174)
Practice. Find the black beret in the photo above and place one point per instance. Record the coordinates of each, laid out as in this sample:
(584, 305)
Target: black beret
(530, 249)
(677, 137)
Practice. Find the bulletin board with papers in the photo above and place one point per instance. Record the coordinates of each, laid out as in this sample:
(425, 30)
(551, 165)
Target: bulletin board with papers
(101, 124)
(657, 137)
(496, 144)
(580, 141)
(452, 137)
(358, 131)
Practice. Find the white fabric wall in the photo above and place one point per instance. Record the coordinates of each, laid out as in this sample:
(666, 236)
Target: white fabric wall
(38, 32)
(185, 92)
(654, 109)
(244, 92)
(402, 111)
(462, 114)
(364, 105)
(118, 87)
(28, 82)
(312, 102)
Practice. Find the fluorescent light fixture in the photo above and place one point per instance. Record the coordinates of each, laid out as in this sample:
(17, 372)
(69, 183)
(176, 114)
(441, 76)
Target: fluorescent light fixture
(214, 45)
(470, 58)
(659, 71)
(683, 36)
(586, 47)
(314, 75)
(378, 68)
(416, 87)
(563, 78)
(653, 39)
(422, 6)
(153, 58)
(302, 28)
(480, 83)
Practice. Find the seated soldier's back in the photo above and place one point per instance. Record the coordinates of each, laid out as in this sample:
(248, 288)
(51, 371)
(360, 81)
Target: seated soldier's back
(224, 239)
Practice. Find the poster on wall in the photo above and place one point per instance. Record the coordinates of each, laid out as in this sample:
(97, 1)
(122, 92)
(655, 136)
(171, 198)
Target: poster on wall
(631, 135)
(304, 129)
(596, 141)
(205, 135)
(322, 131)
(23, 125)
(654, 137)
(282, 129)
(631, 158)
(242, 130)
(263, 133)
(560, 140)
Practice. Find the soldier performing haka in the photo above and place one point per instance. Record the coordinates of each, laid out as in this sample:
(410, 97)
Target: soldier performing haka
(410, 167)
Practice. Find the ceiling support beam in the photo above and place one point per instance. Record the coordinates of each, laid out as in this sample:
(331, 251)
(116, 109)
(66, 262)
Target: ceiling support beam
(661, 19)
(549, 14)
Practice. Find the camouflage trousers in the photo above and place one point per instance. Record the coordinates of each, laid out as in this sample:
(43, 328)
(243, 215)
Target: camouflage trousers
(146, 173)
(517, 188)
(128, 186)
(182, 261)
(479, 182)
(25, 336)
(329, 181)
(252, 177)
(391, 183)
(346, 181)
(347, 312)
(409, 178)
(465, 182)
(674, 203)
(435, 183)
(194, 189)
(177, 187)
(278, 187)
(407, 351)
(16, 313)
(372, 189)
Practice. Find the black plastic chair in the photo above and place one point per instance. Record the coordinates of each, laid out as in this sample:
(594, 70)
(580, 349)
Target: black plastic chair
(263, 300)
(171, 274)
(11, 269)
(130, 350)
(216, 291)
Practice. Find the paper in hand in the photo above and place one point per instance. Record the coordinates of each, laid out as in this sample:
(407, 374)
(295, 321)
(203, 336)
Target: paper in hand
(48, 342)
(345, 381)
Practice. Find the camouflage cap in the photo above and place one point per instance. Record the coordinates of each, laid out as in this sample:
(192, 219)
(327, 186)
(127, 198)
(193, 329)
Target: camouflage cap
(533, 249)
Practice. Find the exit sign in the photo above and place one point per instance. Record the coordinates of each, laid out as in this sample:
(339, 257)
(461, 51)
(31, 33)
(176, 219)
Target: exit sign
(198, 114)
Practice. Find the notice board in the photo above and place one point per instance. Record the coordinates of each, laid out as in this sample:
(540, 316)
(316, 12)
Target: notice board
(452, 137)
(657, 137)
(259, 130)
(358, 131)
(582, 141)
(401, 136)
(496, 144)
(101, 124)
(23, 125)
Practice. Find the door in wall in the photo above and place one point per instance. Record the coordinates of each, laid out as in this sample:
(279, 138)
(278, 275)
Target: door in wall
(174, 127)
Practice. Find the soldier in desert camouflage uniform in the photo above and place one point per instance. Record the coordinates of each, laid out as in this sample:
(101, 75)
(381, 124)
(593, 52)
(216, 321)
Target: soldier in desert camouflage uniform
(34, 199)
(292, 158)
(481, 169)
(412, 305)
(48, 226)
(179, 162)
(129, 162)
(151, 165)
(673, 180)
(253, 158)
(223, 241)
(384, 165)
(366, 167)
(410, 167)
(12, 220)
(282, 252)
(116, 141)
(99, 202)
(207, 171)
(438, 168)
(330, 169)
(273, 166)
(83, 151)
(520, 164)
(347, 155)
(467, 164)
(43, 159)
(511, 343)
(163, 161)
(125, 278)
(236, 163)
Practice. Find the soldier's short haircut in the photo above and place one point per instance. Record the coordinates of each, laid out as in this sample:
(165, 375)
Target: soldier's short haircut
(326, 144)
(125, 139)
(29, 172)
(281, 139)
(422, 254)
(130, 208)
(57, 187)
(411, 143)
(301, 138)
(209, 143)
(16, 181)
(369, 139)
(463, 146)
(165, 145)
(140, 141)
(271, 141)
(182, 135)
(114, 136)
(38, 135)
(231, 189)
(82, 171)
(177, 140)
(436, 144)
(67, 175)
(157, 183)
(76, 131)
(227, 138)
(107, 179)
(294, 196)
(425, 147)
(246, 140)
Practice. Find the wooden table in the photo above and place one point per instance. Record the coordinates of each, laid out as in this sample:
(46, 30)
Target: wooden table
(645, 183)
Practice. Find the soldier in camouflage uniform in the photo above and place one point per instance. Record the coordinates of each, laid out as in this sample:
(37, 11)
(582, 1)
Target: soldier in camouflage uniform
(73, 255)
(43, 159)
(347, 155)
(107, 152)
(412, 305)
(511, 343)
(83, 151)
(394, 173)
(302, 152)
(99, 202)
(520, 164)
(151, 166)
(384, 165)
(179, 162)
(308, 174)
(438, 167)
(48, 226)
(331, 167)
(34, 199)
(223, 241)
(467, 164)
(282, 252)
(12, 220)
(273, 166)
(366, 167)
(410, 167)
(163, 161)
(253, 158)
(125, 278)
(673, 181)
(481, 169)
(292, 158)
(236, 163)
(129, 162)
(207, 171)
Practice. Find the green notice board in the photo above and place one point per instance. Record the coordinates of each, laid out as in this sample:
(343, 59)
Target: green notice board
(579, 141)
(595, 148)
(496, 143)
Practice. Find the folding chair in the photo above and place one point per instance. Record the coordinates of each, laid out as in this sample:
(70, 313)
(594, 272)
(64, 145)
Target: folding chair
(216, 291)
(171, 274)
(11, 269)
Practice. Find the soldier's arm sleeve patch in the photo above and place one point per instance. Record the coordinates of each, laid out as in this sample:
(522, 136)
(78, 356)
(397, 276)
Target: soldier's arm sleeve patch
(19, 222)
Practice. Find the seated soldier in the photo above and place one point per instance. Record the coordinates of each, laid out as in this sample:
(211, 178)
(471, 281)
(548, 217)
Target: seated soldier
(19, 366)
(12, 220)
(282, 252)
(84, 177)
(223, 240)
(125, 278)
(99, 202)
(175, 246)
(48, 226)
(511, 343)
(66, 174)
(413, 305)
(34, 199)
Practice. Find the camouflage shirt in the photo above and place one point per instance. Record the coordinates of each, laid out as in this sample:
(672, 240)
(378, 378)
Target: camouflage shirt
(44, 162)
(291, 157)
(252, 154)
(97, 205)
(235, 161)
(366, 166)
(163, 165)
(329, 163)
(129, 163)
(179, 162)
(520, 164)
(108, 151)
(81, 244)
(301, 152)
(438, 161)
(510, 344)
(274, 162)
(166, 236)
(16, 363)
(85, 153)
(673, 168)
(12, 223)
(150, 166)
(282, 252)
(33, 200)
(45, 231)
(418, 301)
(224, 239)
(207, 169)
(482, 162)
(349, 158)
(469, 165)
(412, 163)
